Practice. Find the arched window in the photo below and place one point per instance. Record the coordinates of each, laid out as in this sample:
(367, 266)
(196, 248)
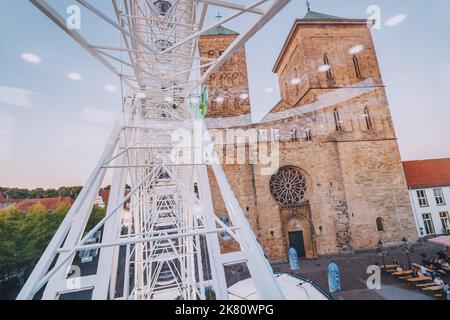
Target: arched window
(380, 224)
(368, 119)
(357, 67)
(337, 120)
(326, 62)
(307, 135)
(286, 89)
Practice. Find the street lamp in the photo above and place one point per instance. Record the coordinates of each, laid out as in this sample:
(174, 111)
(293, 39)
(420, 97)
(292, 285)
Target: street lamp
(405, 248)
(382, 252)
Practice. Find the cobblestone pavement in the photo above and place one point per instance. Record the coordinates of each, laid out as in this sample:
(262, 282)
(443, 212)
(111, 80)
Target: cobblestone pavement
(353, 274)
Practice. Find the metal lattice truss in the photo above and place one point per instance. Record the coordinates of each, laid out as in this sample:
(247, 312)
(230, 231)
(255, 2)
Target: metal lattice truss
(159, 238)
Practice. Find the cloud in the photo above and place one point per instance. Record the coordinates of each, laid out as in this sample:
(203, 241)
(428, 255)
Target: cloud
(74, 76)
(395, 20)
(110, 88)
(16, 96)
(31, 58)
(356, 49)
(324, 68)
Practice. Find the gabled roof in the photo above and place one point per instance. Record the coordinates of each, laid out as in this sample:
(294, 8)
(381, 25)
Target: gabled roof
(427, 173)
(220, 30)
(312, 15)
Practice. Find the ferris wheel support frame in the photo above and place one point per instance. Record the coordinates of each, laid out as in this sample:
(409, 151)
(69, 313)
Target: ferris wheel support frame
(132, 140)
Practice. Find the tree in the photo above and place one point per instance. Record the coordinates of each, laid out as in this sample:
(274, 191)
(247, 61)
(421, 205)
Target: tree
(25, 235)
(37, 193)
(97, 215)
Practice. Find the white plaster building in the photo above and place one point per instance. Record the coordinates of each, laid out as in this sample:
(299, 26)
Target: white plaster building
(429, 189)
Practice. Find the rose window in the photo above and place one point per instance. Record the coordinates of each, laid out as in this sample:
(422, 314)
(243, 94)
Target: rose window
(288, 187)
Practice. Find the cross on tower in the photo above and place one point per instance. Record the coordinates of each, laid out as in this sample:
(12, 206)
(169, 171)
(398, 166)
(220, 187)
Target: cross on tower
(219, 16)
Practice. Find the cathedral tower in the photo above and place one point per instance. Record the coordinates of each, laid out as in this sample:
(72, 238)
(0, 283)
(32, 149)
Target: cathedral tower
(228, 87)
(340, 137)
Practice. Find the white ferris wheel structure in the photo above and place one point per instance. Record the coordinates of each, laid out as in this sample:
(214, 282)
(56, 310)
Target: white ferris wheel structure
(165, 244)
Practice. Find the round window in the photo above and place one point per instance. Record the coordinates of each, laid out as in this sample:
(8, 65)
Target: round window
(288, 187)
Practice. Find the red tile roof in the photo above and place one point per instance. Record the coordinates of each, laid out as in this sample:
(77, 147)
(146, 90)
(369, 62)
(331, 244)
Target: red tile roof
(427, 173)
(50, 204)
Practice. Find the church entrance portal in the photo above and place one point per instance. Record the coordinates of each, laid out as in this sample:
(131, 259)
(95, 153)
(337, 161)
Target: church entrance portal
(297, 242)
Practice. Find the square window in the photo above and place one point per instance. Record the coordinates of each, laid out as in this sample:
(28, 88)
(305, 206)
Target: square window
(422, 198)
(439, 196)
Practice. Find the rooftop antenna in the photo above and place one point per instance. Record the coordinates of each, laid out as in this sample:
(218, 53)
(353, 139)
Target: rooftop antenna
(308, 5)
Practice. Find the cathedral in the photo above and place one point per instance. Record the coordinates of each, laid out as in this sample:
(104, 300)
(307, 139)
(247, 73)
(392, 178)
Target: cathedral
(339, 185)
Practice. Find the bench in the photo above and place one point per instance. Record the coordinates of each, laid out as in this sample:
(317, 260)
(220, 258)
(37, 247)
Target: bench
(420, 285)
(399, 273)
(433, 288)
(419, 279)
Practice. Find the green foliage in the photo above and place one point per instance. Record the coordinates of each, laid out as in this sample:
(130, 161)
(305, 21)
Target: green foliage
(97, 215)
(39, 193)
(25, 235)
(210, 294)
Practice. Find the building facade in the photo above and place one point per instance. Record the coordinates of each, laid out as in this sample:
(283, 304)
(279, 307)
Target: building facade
(429, 190)
(338, 185)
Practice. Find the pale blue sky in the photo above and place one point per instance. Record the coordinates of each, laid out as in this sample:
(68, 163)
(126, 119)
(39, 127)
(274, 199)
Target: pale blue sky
(52, 129)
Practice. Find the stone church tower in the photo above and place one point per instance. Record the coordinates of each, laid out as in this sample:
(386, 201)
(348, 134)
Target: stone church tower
(228, 87)
(339, 186)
